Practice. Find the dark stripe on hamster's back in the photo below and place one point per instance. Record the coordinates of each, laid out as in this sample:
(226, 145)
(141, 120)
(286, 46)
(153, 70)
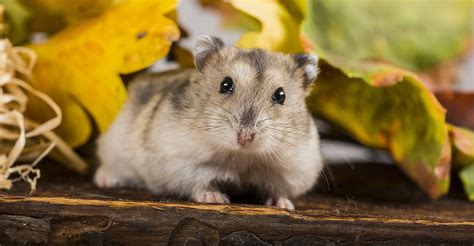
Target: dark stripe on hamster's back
(143, 88)
(146, 132)
(177, 93)
(156, 107)
(144, 94)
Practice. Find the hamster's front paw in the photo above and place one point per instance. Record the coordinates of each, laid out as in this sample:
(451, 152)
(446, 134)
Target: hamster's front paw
(280, 202)
(211, 197)
(104, 179)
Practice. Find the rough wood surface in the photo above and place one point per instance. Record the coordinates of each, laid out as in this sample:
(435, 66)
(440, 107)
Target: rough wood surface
(362, 204)
(23, 230)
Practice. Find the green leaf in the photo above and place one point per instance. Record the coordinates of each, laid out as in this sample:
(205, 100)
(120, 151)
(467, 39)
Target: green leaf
(381, 105)
(462, 142)
(16, 17)
(411, 34)
(385, 107)
(467, 178)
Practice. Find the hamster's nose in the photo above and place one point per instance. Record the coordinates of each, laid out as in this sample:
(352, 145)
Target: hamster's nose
(245, 136)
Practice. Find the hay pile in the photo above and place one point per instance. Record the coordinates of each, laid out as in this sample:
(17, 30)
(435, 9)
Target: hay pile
(21, 139)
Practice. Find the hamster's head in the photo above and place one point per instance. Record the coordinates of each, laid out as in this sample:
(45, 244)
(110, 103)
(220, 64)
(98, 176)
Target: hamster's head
(250, 99)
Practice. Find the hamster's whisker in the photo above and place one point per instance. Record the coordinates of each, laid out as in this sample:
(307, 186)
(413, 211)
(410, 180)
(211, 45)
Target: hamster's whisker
(208, 128)
(221, 118)
(288, 127)
(288, 134)
(206, 110)
(261, 121)
(281, 139)
(260, 113)
(274, 153)
(293, 132)
(273, 118)
(267, 155)
(289, 124)
(206, 118)
(211, 112)
(214, 124)
(225, 109)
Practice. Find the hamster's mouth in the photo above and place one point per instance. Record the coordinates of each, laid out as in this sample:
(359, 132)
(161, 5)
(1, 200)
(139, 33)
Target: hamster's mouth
(245, 149)
(248, 147)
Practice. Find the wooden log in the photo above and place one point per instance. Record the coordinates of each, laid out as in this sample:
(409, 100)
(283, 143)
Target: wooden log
(136, 222)
(80, 214)
(23, 230)
(97, 221)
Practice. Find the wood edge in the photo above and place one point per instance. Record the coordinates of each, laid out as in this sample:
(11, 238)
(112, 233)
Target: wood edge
(237, 210)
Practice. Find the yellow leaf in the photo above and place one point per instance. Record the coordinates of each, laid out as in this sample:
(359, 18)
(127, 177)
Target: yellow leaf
(80, 67)
(281, 24)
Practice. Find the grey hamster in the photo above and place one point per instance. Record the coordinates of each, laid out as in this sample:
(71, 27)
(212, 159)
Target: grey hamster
(239, 118)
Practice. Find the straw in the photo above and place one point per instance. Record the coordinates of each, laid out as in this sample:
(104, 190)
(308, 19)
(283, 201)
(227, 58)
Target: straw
(22, 138)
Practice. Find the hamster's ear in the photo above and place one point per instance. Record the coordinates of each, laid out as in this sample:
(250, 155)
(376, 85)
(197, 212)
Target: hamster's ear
(309, 64)
(204, 47)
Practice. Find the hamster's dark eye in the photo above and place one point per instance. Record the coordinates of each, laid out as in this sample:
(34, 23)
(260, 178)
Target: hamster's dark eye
(227, 86)
(279, 96)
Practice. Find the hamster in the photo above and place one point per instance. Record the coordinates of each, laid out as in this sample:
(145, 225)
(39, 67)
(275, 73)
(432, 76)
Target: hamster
(239, 118)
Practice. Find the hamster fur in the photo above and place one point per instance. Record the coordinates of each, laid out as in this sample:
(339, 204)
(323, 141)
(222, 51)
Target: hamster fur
(182, 133)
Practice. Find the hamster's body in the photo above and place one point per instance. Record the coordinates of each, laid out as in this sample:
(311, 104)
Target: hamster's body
(183, 133)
